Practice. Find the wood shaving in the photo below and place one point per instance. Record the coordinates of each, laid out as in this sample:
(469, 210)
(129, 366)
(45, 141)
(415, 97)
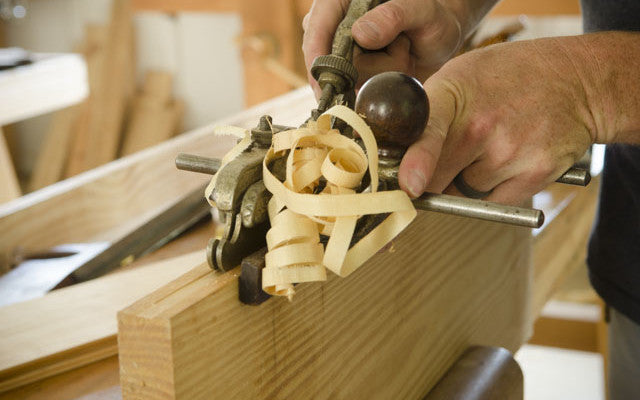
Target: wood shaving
(298, 214)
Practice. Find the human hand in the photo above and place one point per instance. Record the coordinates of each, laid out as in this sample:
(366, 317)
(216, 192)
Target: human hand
(511, 118)
(411, 36)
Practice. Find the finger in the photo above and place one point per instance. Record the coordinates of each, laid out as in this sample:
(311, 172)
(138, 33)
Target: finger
(395, 57)
(381, 25)
(515, 191)
(319, 27)
(420, 160)
(483, 175)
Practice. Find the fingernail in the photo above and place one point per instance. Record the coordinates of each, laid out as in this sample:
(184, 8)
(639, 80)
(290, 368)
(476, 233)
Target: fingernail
(416, 183)
(368, 29)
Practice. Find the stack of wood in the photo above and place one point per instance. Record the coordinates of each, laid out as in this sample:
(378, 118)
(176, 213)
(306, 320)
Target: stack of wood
(95, 132)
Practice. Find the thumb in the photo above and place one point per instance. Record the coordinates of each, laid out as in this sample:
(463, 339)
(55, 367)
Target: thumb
(420, 160)
(381, 25)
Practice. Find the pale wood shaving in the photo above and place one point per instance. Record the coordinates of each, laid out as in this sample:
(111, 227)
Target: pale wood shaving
(298, 216)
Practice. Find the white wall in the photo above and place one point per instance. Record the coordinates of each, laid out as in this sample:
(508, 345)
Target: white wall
(199, 48)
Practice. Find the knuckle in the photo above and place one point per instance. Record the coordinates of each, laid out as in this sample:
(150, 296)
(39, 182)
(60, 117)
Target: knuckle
(479, 128)
(305, 22)
(504, 155)
(392, 14)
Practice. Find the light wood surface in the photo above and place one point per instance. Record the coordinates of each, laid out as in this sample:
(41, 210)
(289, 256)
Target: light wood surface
(75, 326)
(156, 116)
(96, 381)
(561, 245)
(9, 186)
(94, 52)
(390, 330)
(114, 91)
(51, 161)
(276, 23)
(51, 82)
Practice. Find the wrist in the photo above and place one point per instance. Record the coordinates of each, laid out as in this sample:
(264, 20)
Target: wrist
(606, 64)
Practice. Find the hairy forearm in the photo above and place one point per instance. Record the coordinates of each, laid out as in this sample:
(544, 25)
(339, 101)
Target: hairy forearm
(607, 63)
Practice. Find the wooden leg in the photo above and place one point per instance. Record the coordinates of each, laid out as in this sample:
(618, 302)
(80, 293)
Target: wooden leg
(9, 186)
(603, 345)
(481, 373)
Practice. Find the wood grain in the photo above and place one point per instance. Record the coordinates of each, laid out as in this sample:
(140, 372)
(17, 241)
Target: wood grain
(8, 179)
(114, 90)
(93, 380)
(390, 330)
(94, 51)
(51, 161)
(76, 326)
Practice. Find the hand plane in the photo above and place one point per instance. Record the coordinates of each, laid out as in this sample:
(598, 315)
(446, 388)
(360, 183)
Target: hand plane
(396, 108)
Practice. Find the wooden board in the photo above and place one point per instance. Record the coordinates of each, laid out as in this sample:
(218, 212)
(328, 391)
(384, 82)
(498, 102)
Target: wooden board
(96, 379)
(51, 161)
(390, 330)
(112, 94)
(94, 51)
(561, 244)
(276, 22)
(72, 327)
(156, 116)
(8, 179)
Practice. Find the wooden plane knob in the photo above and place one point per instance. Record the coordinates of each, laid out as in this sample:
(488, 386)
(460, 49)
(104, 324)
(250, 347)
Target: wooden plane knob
(396, 108)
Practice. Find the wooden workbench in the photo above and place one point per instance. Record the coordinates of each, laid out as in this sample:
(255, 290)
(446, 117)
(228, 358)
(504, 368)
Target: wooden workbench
(483, 298)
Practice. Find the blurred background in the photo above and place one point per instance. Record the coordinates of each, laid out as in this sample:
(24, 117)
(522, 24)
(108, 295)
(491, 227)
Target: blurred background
(156, 69)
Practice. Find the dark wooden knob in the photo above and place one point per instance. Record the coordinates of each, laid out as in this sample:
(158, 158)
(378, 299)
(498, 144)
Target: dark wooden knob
(396, 108)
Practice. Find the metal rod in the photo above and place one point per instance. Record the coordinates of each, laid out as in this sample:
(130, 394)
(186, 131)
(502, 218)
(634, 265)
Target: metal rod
(575, 176)
(479, 209)
(204, 165)
(442, 203)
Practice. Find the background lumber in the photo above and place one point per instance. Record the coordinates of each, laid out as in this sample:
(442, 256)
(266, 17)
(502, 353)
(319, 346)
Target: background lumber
(8, 179)
(110, 100)
(561, 244)
(75, 326)
(101, 204)
(94, 52)
(156, 116)
(282, 36)
(97, 379)
(49, 166)
(387, 331)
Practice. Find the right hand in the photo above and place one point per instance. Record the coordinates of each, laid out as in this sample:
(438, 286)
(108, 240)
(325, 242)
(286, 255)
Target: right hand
(412, 36)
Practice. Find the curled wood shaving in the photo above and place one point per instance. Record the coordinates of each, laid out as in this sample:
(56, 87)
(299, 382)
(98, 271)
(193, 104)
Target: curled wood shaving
(298, 216)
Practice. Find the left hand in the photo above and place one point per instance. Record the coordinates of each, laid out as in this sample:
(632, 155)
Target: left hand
(511, 117)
